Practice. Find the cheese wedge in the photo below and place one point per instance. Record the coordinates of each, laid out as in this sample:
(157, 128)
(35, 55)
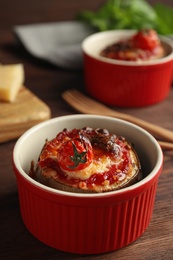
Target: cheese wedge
(11, 80)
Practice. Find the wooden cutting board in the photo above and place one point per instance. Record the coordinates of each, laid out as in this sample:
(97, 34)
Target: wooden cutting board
(26, 111)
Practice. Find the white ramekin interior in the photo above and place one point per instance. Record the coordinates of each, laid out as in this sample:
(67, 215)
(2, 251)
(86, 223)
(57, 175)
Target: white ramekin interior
(29, 145)
(95, 43)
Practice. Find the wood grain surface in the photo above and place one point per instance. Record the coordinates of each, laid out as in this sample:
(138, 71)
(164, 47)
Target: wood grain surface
(17, 117)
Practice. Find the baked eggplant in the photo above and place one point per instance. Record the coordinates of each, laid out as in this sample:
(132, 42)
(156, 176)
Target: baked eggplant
(87, 160)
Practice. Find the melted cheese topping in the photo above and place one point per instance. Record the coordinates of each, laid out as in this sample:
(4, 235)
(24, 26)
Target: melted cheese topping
(101, 165)
(108, 169)
(97, 166)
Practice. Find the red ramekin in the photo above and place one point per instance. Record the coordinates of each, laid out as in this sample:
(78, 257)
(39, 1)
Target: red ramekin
(125, 83)
(86, 223)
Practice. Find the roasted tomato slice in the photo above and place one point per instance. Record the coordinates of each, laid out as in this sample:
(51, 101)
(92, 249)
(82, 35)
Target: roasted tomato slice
(146, 40)
(75, 154)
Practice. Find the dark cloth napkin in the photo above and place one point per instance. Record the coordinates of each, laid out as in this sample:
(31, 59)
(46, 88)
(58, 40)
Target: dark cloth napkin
(58, 43)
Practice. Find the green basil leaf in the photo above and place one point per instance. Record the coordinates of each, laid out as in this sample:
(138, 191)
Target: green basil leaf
(130, 14)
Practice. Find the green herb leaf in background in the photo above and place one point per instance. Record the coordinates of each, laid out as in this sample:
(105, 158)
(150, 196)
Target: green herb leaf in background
(130, 14)
(165, 18)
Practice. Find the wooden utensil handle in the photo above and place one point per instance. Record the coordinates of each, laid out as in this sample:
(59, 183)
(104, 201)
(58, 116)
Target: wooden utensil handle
(166, 145)
(154, 129)
(157, 131)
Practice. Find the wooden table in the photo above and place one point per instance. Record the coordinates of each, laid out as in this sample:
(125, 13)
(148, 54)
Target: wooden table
(48, 82)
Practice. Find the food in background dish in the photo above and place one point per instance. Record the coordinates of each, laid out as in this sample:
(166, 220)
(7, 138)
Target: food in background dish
(87, 160)
(144, 45)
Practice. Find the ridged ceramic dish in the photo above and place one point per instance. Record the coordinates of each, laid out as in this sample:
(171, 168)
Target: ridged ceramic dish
(125, 83)
(87, 223)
